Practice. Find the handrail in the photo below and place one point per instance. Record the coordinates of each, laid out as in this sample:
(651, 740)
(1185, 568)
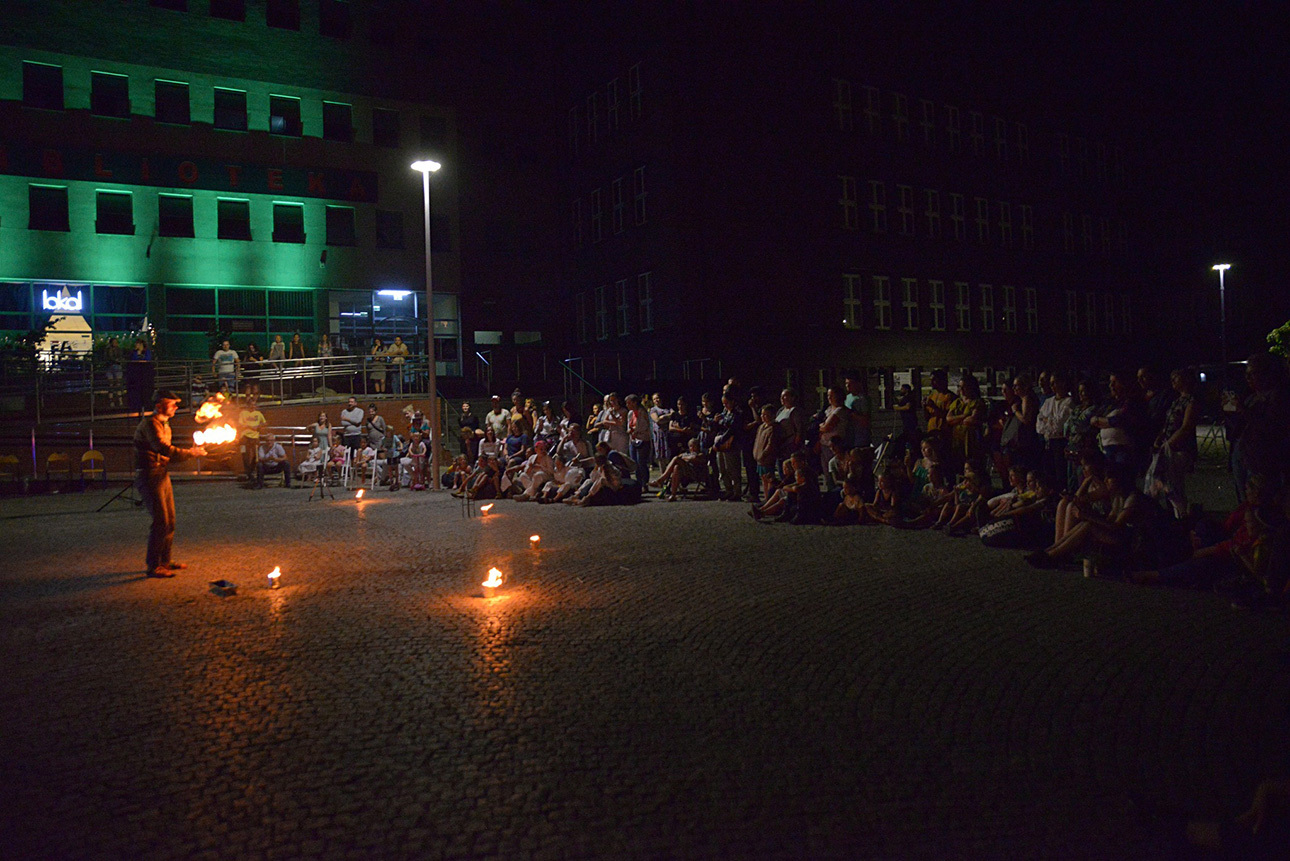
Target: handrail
(569, 368)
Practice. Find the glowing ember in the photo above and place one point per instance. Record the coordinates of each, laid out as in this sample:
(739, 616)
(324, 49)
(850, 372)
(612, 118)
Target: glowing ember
(215, 436)
(210, 409)
(359, 495)
(494, 579)
(486, 508)
(274, 575)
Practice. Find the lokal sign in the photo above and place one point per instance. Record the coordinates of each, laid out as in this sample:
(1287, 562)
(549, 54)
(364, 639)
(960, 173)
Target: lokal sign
(62, 302)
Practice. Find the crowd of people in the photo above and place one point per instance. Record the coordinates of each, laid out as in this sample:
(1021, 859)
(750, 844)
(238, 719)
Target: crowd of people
(234, 370)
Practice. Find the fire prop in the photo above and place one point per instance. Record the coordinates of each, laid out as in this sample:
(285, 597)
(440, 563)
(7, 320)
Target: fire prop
(493, 583)
(359, 495)
(210, 410)
(534, 541)
(484, 509)
(274, 575)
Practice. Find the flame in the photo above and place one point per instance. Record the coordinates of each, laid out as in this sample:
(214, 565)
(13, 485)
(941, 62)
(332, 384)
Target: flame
(215, 436)
(274, 575)
(486, 508)
(210, 409)
(360, 494)
(494, 579)
(534, 539)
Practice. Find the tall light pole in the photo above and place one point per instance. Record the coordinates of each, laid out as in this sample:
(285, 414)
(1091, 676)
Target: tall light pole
(427, 167)
(1220, 268)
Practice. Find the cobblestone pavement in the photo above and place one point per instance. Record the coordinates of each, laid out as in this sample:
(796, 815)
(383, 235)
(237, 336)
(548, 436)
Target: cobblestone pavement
(667, 680)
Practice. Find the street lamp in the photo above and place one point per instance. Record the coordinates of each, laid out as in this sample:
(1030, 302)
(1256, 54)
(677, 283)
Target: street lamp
(1220, 268)
(427, 167)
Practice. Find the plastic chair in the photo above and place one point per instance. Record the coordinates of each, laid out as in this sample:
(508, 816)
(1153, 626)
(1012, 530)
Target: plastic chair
(93, 466)
(347, 468)
(58, 463)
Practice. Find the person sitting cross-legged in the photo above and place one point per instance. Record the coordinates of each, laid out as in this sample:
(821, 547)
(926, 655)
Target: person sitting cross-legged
(272, 459)
(1109, 532)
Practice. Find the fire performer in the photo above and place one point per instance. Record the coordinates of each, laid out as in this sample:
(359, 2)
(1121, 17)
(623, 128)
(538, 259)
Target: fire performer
(153, 453)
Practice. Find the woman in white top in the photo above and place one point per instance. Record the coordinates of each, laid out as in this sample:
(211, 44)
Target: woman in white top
(835, 427)
(612, 424)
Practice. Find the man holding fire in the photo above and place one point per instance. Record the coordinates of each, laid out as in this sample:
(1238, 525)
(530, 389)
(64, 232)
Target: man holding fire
(153, 452)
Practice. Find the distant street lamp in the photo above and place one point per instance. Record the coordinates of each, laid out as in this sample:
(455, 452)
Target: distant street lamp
(1222, 313)
(427, 167)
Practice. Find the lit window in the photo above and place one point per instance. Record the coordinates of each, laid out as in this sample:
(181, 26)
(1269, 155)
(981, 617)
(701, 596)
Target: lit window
(982, 220)
(593, 117)
(851, 311)
(284, 116)
(909, 289)
(953, 129)
(878, 205)
(842, 104)
(645, 302)
(933, 212)
(1005, 223)
(1009, 308)
(986, 306)
(634, 91)
(230, 109)
(963, 305)
(881, 302)
(638, 187)
(1032, 310)
(602, 313)
(114, 212)
(906, 209)
(338, 123)
(978, 131)
(174, 215)
(1072, 312)
(928, 122)
(1027, 226)
(109, 95)
(850, 212)
(340, 226)
(900, 116)
(234, 219)
(42, 86)
(936, 301)
(1001, 138)
(873, 109)
(611, 106)
(624, 310)
(597, 217)
(958, 216)
(288, 222)
(171, 103)
(618, 205)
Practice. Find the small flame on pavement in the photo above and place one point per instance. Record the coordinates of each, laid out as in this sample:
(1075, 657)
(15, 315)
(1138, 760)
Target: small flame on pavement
(494, 579)
(215, 436)
(359, 495)
(535, 540)
(274, 575)
(486, 508)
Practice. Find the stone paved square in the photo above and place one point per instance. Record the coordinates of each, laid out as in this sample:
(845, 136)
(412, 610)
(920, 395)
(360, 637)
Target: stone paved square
(656, 681)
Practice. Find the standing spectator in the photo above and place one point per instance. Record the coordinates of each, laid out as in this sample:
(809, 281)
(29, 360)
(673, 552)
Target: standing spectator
(351, 423)
(113, 358)
(224, 365)
(139, 377)
(498, 418)
(658, 416)
(764, 450)
(750, 416)
(860, 409)
(252, 362)
(376, 366)
(376, 427)
(728, 444)
(547, 427)
(966, 421)
(250, 420)
(1174, 450)
(1023, 410)
(937, 404)
(1081, 436)
(398, 353)
(324, 347)
(321, 431)
(791, 424)
(612, 424)
(835, 429)
(905, 407)
(1262, 421)
(641, 439)
(271, 458)
(1120, 428)
(681, 427)
(468, 432)
(1156, 399)
(1050, 424)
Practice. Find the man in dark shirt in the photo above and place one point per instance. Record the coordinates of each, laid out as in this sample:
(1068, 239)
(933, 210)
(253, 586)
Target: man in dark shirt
(468, 432)
(152, 455)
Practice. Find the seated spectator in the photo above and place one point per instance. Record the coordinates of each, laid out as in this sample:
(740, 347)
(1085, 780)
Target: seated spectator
(272, 459)
(601, 485)
(567, 477)
(968, 499)
(684, 469)
(1017, 485)
(314, 466)
(455, 477)
(797, 500)
(1025, 521)
(533, 474)
(857, 486)
(1091, 529)
(489, 445)
(336, 458)
(365, 459)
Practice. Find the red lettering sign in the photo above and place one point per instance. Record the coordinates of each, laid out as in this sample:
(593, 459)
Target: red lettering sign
(316, 184)
(187, 172)
(99, 170)
(51, 162)
(275, 178)
(356, 190)
(234, 174)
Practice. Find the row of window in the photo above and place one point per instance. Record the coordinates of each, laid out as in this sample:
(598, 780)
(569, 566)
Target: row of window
(585, 124)
(114, 214)
(42, 87)
(942, 126)
(333, 15)
(918, 213)
(633, 300)
(1107, 313)
(594, 227)
(25, 305)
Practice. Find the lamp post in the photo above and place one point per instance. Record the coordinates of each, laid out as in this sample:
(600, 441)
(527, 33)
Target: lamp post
(427, 167)
(1220, 268)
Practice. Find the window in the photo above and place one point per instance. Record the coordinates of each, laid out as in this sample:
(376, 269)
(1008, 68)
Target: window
(638, 186)
(333, 19)
(933, 212)
(174, 215)
(986, 306)
(963, 305)
(1001, 138)
(1106, 234)
(842, 104)
(982, 220)
(288, 222)
(611, 106)
(900, 116)
(1005, 223)
(645, 301)
(284, 116)
(906, 209)
(230, 109)
(958, 216)
(1068, 231)
(1109, 313)
(389, 228)
(114, 212)
(576, 211)
(42, 86)
(602, 314)
(109, 95)
(47, 207)
(597, 217)
(1027, 226)
(385, 127)
(851, 315)
(618, 204)
(623, 316)
(873, 109)
(1009, 308)
(340, 226)
(593, 117)
(1126, 315)
(234, 217)
(1090, 313)
(978, 131)
(283, 13)
(434, 132)
(928, 122)
(953, 129)
(881, 302)
(1100, 160)
(634, 91)
(1072, 312)
(175, 5)
(909, 287)
(575, 129)
(230, 10)
(878, 205)
(1023, 142)
(1086, 233)
(1063, 154)
(171, 105)
(936, 301)
(850, 213)
(582, 318)
(338, 124)
(1032, 311)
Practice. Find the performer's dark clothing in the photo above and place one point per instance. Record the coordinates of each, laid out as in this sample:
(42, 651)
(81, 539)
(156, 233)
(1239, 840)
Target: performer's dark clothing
(152, 454)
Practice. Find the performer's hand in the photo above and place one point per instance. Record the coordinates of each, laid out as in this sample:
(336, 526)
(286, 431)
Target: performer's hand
(200, 451)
